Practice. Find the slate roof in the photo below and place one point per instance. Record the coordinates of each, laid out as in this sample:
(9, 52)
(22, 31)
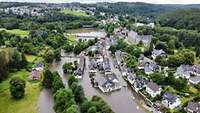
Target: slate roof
(194, 107)
(153, 86)
(195, 79)
(196, 69)
(169, 97)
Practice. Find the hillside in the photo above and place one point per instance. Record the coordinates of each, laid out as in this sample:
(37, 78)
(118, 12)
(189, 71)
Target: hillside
(140, 9)
(182, 19)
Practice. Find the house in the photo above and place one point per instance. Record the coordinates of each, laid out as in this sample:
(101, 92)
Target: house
(170, 101)
(124, 70)
(192, 107)
(131, 79)
(81, 66)
(92, 66)
(153, 89)
(134, 38)
(139, 83)
(115, 64)
(109, 83)
(184, 71)
(156, 53)
(35, 74)
(99, 58)
(196, 70)
(194, 80)
(106, 66)
(149, 66)
(119, 57)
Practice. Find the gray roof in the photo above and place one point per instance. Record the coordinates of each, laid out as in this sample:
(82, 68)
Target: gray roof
(195, 79)
(169, 97)
(196, 69)
(153, 86)
(193, 106)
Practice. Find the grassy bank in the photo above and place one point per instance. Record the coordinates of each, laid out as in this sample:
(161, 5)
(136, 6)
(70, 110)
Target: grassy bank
(19, 32)
(26, 105)
(74, 12)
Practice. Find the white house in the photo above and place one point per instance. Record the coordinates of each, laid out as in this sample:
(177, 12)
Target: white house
(157, 52)
(153, 89)
(170, 101)
(193, 107)
(184, 71)
(194, 80)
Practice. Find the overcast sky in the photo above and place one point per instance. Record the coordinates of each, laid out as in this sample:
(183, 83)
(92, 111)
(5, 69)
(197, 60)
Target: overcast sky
(93, 1)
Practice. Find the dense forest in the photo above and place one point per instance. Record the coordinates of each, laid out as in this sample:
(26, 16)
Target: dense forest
(50, 19)
(140, 9)
(182, 19)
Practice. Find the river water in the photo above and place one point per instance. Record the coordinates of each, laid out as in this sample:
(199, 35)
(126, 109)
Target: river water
(124, 100)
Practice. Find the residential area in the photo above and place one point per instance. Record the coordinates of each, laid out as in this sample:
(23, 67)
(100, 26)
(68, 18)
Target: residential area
(101, 57)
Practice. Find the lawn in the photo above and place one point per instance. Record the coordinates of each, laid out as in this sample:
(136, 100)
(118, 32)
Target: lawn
(72, 38)
(26, 105)
(19, 32)
(74, 12)
(31, 58)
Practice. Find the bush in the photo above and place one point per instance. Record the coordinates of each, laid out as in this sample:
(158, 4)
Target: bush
(17, 86)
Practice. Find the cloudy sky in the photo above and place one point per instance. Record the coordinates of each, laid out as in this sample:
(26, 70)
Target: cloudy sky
(93, 1)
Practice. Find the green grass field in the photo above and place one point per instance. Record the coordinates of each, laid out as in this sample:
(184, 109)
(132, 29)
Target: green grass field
(72, 38)
(19, 32)
(26, 105)
(73, 12)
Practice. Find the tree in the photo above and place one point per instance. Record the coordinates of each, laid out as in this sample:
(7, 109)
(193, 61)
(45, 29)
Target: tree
(86, 106)
(133, 50)
(92, 110)
(79, 94)
(72, 109)
(24, 60)
(131, 61)
(74, 86)
(171, 44)
(64, 99)
(57, 82)
(4, 65)
(180, 84)
(48, 56)
(57, 54)
(47, 79)
(68, 68)
(161, 45)
(71, 80)
(158, 78)
(17, 87)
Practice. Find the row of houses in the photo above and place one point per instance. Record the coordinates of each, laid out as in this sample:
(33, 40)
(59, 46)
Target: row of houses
(192, 73)
(100, 65)
(81, 66)
(168, 99)
(24, 10)
(149, 66)
(134, 38)
(139, 83)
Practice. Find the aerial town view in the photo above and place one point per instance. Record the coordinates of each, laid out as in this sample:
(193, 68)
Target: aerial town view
(98, 56)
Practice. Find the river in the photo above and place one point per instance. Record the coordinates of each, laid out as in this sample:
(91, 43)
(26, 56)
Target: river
(124, 100)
